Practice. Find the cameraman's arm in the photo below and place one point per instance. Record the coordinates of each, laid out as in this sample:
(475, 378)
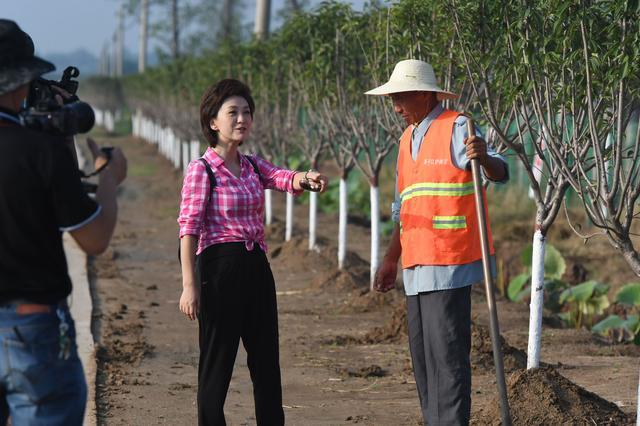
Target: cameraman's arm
(94, 237)
(71, 143)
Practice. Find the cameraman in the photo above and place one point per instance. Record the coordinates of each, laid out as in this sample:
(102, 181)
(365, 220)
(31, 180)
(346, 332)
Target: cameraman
(41, 195)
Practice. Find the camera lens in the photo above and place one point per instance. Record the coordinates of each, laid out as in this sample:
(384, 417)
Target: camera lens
(80, 117)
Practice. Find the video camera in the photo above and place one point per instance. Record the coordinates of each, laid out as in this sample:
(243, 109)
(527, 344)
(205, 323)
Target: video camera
(45, 114)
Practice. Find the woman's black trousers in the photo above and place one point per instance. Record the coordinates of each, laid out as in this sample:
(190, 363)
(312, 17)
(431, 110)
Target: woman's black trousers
(238, 301)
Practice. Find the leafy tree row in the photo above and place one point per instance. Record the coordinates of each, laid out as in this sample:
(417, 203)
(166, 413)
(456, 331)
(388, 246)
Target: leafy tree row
(555, 83)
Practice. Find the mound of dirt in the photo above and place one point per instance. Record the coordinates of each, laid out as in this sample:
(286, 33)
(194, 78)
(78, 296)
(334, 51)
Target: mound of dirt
(323, 257)
(355, 278)
(482, 351)
(365, 300)
(543, 396)
(394, 330)
(275, 231)
(296, 253)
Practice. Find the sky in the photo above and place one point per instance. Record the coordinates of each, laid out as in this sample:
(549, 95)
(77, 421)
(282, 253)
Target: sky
(62, 26)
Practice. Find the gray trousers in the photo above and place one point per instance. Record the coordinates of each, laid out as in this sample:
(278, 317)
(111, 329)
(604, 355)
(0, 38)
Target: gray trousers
(440, 342)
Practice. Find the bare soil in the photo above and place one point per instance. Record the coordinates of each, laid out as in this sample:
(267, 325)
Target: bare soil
(344, 351)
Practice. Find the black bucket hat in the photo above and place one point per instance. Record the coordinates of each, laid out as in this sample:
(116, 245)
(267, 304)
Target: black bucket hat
(18, 64)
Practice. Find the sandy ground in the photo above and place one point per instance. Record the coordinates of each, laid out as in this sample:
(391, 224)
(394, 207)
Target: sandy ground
(338, 369)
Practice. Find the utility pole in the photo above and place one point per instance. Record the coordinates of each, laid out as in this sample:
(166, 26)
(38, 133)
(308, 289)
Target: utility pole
(114, 55)
(227, 19)
(142, 46)
(263, 15)
(104, 60)
(120, 43)
(175, 46)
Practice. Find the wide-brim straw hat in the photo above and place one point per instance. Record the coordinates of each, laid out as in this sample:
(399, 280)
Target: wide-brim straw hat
(18, 64)
(412, 75)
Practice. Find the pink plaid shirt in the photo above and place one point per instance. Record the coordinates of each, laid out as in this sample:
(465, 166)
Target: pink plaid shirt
(235, 211)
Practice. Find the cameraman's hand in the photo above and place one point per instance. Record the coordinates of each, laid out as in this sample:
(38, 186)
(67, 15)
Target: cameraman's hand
(62, 94)
(117, 165)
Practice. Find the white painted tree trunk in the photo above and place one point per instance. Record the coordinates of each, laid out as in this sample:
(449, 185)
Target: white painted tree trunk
(313, 218)
(638, 405)
(374, 193)
(194, 151)
(98, 116)
(289, 224)
(268, 218)
(537, 299)
(342, 223)
(109, 123)
(607, 167)
(134, 125)
(177, 151)
(185, 156)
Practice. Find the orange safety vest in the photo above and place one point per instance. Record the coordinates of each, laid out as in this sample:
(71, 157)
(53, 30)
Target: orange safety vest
(438, 222)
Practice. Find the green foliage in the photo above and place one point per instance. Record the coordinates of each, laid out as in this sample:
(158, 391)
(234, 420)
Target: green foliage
(584, 301)
(358, 190)
(621, 329)
(518, 288)
(554, 267)
(554, 263)
(122, 126)
(629, 294)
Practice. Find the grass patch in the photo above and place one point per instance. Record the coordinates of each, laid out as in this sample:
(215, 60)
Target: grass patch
(141, 170)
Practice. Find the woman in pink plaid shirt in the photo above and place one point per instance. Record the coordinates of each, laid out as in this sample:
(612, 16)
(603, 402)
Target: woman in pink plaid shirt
(223, 225)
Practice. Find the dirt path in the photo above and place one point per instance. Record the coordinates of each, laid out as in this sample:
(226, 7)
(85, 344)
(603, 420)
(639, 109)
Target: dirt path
(336, 368)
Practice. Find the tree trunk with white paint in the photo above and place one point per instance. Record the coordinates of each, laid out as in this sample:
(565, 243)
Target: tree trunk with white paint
(313, 218)
(638, 405)
(342, 223)
(194, 151)
(537, 300)
(268, 216)
(185, 156)
(374, 192)
(289, 224)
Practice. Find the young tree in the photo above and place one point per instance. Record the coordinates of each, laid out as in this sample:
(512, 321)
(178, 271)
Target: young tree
(343, 151)
(491, 59)
(375, 131)
(311, 142)
(559, 81)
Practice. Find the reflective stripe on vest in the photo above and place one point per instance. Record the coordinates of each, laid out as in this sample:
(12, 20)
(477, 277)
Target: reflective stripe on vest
(449, 222)
(438, 222)
(438, 189)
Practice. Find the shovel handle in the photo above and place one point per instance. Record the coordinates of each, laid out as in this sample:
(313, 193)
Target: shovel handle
(488, 282)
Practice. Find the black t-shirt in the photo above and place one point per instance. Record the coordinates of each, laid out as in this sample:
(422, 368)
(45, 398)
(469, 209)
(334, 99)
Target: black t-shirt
(41, 195)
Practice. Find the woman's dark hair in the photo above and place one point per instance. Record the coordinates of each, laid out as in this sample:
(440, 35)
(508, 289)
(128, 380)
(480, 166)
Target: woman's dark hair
(212, 100)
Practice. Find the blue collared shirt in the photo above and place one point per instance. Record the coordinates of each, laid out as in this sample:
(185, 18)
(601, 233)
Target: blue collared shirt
(423, 278)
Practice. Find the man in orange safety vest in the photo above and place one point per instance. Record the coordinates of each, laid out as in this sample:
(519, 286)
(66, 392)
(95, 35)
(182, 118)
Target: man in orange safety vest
(437, 235)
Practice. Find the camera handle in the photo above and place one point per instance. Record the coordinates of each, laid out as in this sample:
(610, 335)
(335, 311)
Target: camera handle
(106, 150)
